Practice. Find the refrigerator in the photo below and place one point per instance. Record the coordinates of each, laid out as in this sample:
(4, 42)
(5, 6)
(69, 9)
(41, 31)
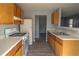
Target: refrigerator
(27, 27)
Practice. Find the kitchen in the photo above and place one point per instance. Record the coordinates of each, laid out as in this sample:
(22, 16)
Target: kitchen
(20, 37)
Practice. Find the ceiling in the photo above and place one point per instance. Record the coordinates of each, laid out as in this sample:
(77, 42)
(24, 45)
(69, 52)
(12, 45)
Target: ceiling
(67, 8)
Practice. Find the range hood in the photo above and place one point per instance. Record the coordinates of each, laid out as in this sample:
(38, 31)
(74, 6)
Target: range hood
(17, 18)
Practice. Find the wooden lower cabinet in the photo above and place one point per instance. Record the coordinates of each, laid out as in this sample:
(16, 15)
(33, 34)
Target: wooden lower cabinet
(19, 52)
(51, 41)
(58, 49)
(11, 52)
(16, 51)
(71, 47)
(63, 47)
(55, 43)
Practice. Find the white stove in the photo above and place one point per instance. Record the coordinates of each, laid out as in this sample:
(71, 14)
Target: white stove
(14, 33)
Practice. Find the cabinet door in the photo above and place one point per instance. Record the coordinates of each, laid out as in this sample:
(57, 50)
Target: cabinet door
(6, 13)
(51, 41)
(21, 14)
(11, 52)
(58, 49)
(19, 52)
(52, 18)
(49, 38)
(56, 18)
(18, 11)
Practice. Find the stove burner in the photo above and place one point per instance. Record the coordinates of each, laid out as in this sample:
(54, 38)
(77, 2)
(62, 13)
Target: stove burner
(17, 34)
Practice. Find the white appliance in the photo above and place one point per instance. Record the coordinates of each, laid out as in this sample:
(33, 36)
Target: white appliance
(27, 27)
(14, 33)
(70, 22)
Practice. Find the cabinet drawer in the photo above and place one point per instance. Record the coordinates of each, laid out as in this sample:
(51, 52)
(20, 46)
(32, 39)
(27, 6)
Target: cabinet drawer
(19, 52)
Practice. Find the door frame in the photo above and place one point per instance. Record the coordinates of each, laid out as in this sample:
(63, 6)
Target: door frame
(35, 27)
(46, 24)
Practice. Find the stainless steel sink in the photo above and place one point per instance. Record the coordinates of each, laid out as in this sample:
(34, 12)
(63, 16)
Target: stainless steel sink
(61, 33)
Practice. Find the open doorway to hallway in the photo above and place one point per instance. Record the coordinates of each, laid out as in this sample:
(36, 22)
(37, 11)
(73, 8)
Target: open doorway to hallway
(40, 27)
(40, 47)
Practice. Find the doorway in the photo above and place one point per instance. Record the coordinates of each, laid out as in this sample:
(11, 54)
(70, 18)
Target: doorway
(40, 27)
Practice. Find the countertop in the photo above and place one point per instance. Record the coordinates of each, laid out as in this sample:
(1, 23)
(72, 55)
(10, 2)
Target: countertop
(64, 37)
(7, 44)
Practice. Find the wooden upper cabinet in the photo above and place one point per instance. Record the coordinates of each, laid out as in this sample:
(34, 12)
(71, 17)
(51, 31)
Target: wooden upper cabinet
(18, 11)
(55, 17)
(52, 18)
(7, 13)
(21, 15)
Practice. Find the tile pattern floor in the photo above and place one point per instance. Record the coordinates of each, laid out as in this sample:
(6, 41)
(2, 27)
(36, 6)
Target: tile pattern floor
(40, 48)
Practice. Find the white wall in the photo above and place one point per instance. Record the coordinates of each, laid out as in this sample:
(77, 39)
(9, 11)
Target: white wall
(31, 14)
